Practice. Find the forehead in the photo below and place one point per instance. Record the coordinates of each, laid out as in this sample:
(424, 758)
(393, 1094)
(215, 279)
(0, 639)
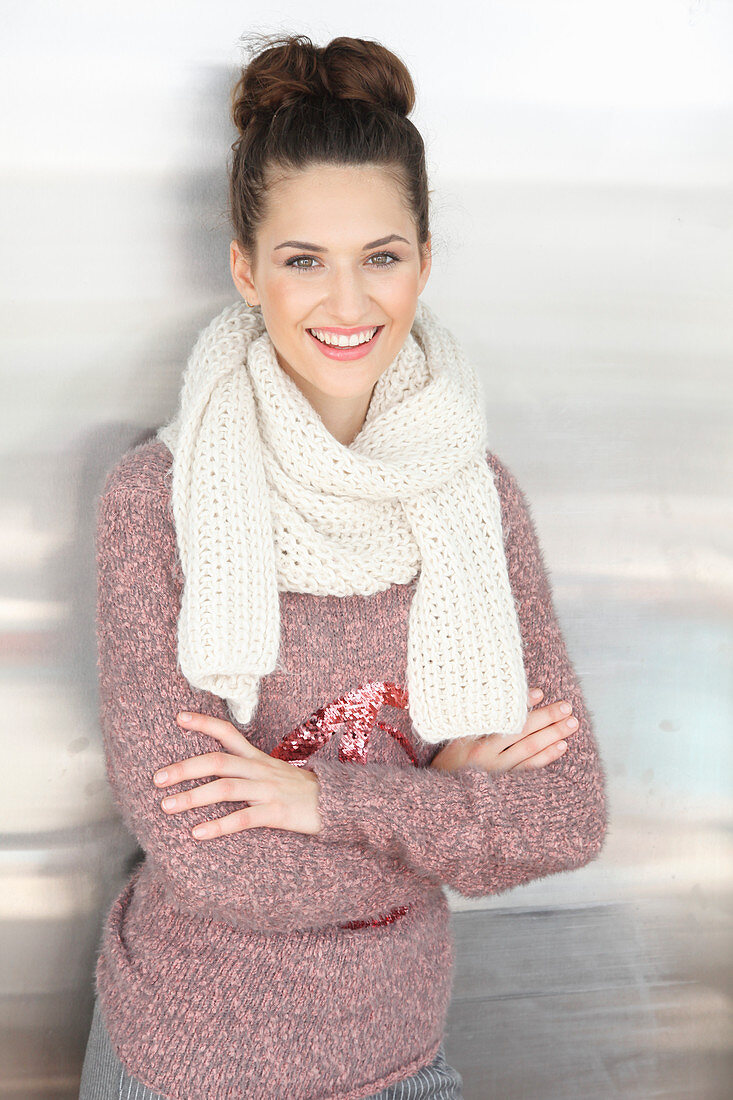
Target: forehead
(335, 202)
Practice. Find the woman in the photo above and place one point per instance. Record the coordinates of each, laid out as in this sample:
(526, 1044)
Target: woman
(318, 590)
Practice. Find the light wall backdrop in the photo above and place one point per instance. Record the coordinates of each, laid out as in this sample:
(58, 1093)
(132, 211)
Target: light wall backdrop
(581, 161)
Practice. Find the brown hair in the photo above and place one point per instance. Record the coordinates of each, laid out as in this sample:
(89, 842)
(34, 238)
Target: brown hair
(296, 104)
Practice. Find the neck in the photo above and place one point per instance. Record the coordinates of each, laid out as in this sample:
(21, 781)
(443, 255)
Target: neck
(343, 417)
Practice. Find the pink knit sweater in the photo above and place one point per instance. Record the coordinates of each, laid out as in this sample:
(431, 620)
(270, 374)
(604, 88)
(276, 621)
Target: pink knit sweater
(270, 964)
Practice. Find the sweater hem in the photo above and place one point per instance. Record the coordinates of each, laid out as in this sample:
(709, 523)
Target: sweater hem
(357, 1093)
(175, 1070)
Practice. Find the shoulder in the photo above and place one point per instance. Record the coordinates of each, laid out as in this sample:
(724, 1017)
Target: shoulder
(135, 539)
(526, 564)
(519, 527)
(143, 471)
(512, 498)
(134, 505)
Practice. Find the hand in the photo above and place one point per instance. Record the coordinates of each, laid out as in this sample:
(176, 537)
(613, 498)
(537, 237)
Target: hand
(540, 743)
(281, 795)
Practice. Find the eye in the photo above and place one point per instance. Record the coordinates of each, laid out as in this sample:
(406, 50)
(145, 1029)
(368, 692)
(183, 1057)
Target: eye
(296, 262)
(390, 256)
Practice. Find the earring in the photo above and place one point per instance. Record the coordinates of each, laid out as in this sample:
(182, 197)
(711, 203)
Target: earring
(246, 302)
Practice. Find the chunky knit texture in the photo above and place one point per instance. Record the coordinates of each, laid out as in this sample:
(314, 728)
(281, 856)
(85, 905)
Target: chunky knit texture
(266, 500)
(269, 964)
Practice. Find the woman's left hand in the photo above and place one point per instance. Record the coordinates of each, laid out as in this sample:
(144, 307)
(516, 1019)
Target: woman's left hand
(281, 795)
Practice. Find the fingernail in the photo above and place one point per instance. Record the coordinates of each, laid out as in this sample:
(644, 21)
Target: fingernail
(565, 708)
(536, 692)
(160, 777)
(185, 716)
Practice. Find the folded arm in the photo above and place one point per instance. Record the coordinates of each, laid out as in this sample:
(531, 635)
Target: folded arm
(263, 879)
(476, 832)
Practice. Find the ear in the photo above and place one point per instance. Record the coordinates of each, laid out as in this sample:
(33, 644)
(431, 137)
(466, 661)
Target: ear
(242, 273)
(426, 262)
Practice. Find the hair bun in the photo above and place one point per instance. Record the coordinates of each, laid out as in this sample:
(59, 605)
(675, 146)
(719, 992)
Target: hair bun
(291, 68)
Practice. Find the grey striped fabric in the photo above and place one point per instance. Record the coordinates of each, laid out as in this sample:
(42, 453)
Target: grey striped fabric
(103, 1077)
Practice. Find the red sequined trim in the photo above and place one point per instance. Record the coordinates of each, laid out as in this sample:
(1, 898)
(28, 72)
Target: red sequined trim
(353, 716)
(389, 918)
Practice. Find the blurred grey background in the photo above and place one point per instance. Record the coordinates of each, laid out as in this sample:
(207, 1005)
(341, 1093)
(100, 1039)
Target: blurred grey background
(581, 158)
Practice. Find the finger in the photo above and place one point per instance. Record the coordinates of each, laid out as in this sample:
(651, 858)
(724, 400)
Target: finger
(208, 794)
(207, 763)
(534, 696)
(547, 715)
(236, 822)
(542, 759)
(263, 815)
(223, 731)
(532, 744)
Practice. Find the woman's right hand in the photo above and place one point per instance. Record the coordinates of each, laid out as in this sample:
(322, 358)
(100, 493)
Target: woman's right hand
(541, 741)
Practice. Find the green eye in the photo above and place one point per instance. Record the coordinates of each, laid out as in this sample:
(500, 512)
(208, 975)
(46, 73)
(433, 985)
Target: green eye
(295, 261)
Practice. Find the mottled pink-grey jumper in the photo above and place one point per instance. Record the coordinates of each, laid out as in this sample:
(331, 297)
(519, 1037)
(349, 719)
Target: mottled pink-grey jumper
(273, 965)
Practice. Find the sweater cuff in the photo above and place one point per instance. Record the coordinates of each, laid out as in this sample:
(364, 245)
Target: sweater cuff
(338, 802)
(380, 804)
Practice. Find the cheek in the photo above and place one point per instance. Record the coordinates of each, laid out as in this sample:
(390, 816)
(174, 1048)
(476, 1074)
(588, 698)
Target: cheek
(399, 296)
(288, 298)
(280, 295)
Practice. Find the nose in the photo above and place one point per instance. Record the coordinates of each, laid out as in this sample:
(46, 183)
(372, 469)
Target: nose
(348, 300)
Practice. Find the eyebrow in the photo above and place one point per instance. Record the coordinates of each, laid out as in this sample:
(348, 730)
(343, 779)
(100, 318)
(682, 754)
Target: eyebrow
(320, 248)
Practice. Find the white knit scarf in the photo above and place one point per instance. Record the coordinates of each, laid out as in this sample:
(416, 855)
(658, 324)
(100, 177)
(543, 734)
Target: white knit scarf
(265, 500)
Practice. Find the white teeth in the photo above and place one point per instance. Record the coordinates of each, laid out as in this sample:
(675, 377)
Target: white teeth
(343, 341)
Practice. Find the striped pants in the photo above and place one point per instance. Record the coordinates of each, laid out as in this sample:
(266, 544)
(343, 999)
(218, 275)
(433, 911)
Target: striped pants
(103, 1077)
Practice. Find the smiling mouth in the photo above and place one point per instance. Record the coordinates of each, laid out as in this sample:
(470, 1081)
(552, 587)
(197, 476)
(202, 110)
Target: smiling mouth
(347, 346)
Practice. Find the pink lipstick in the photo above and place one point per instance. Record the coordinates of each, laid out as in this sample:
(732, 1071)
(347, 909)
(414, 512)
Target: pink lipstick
(356, 352)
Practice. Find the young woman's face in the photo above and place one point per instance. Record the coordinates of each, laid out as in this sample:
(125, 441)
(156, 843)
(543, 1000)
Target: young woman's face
(338, 250)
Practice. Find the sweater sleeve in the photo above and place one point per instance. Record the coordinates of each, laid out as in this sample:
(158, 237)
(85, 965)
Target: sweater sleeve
(479, 833)
(263, 879)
